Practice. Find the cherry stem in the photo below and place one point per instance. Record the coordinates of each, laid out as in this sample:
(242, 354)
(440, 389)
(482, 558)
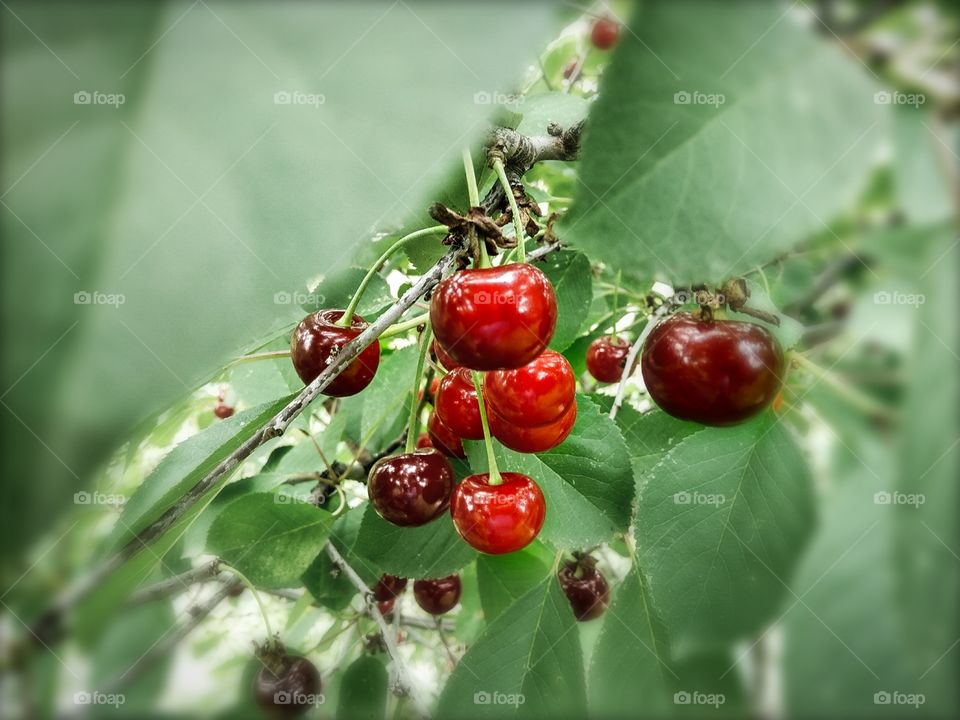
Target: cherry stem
(514, 209)
(616, 293)
(347, 318)
(473, 193)
(402, 327)
(493, 472)
(849, 393)
(412, 428)
(269, 355)
(256, 596)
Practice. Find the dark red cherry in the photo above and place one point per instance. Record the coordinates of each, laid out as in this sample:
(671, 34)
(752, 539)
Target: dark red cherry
(538, 393)
(411, 489)
(222, 410)
(388, 587)
(533, 439)
(386, 607)
(443, 438)
(287, 686)
(315, 344)
(437, 596)
(494, 318)
(605, 33)
(606, 359)
(457, 407)
(497, 519)
(447, 362)
(715, 372)
(585, 588)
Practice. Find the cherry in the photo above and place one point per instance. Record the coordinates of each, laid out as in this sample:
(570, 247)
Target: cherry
(498, 519)
(222, 410)
(388, 587)
(411, 489)
(443, 438)
(606, 359)
(456, 405)
(585, 588)
(437, 596)
(535, 439)
(715, 372)
(315, 344)
(442, 357)
(386, 607)
(424, 441)
(538, 393)
(605, 33)
(286, 685)
(494, 318)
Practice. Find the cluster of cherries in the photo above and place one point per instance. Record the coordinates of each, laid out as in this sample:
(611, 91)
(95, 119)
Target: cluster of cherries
(435, 596)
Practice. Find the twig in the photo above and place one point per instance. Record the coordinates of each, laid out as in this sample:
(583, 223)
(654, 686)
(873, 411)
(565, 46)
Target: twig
(402, 671)
(443, 639)
(177, 583)
(628, 367)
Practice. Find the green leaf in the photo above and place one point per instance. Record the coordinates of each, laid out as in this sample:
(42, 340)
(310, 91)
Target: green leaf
(270, 541)
(573, 282)
(502, 579)
(631, 666)
(433, 550)
(363, 690)
(551, 107)
(587, 480)
(702, 158)
(327, 583)
(721, 521)
(186, 465)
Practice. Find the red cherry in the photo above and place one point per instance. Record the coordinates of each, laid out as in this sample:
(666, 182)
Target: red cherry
(538, 393)
(715, 372)
(497, 519)
(287, 686)
(388, 587)
(423, 441)
(605, 33)
(494, 318)
(443, 438)
(533, 439)
(606, 359)
(386, 606)
(457, 406)
(585, 588)
(442, 357)
(315, 344)
(412, 488)
(437, 596)
(222, 410)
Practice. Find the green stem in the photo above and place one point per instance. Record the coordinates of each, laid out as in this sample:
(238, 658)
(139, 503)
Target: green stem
(256, 596)
(375, 268)
(474, 195)
(401, 327)
(514, 210)
(493, 471)
(415, 400)
(616, 294)
(845, 390)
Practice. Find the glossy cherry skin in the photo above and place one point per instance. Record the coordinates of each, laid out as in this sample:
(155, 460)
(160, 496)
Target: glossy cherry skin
(388, 587)
(494, 318)
(442, 357)
(605, 33)
(443, 438)
(411, 489)
(315, 344)
(437, 596)
(533, 439)
(538, 393)
(498, 519)
(292, 691)
(714, 372)
(223, 411)
(457, 407)
(606, 359)
(585, 588)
